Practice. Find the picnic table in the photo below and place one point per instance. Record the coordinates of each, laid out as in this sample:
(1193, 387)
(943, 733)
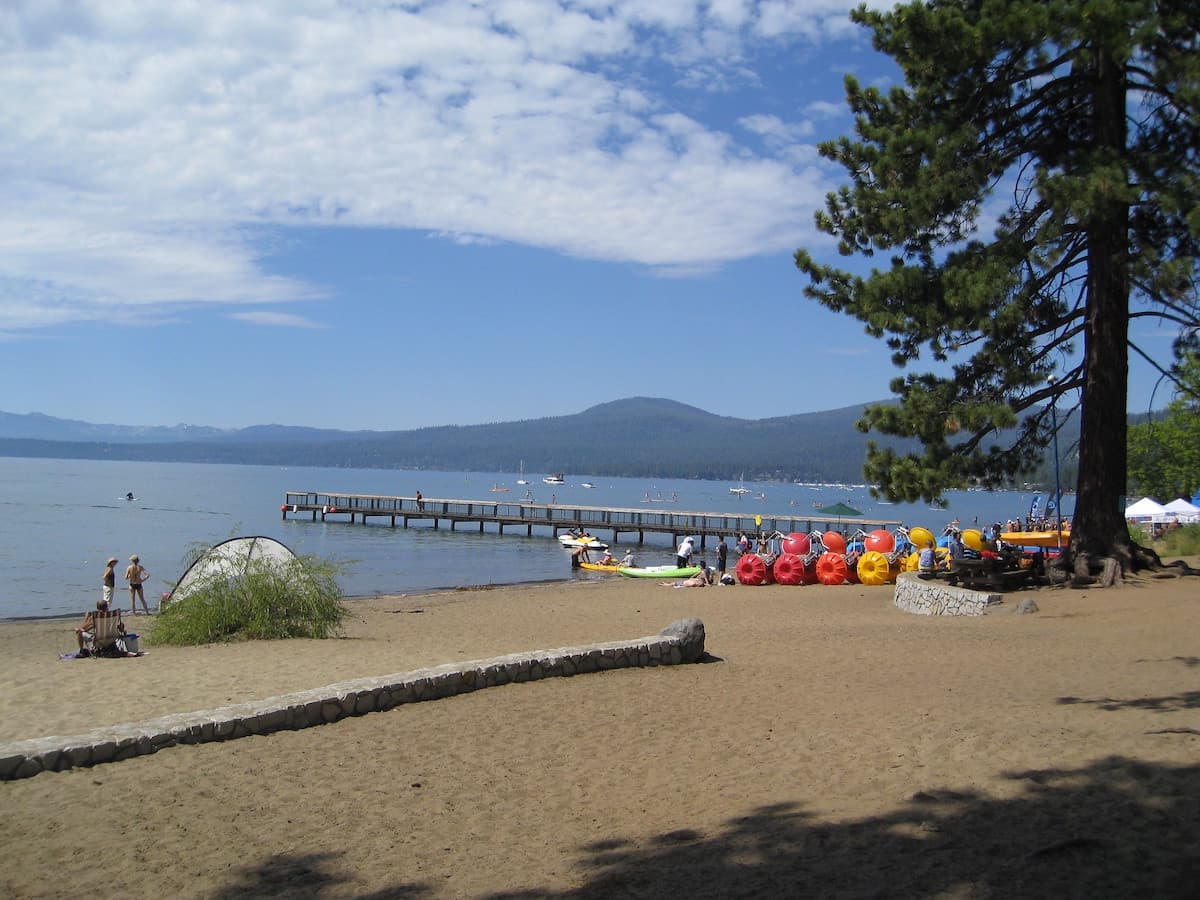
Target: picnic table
(994, 573)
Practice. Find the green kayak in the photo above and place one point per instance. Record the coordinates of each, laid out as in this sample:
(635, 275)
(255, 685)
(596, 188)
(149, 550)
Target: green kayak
(658, 571)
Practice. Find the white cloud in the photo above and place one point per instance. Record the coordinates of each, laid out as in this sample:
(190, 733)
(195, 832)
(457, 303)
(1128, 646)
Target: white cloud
(775, 130)
(142, 144)
(824, 109)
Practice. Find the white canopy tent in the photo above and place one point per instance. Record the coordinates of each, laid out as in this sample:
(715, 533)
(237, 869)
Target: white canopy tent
(1145, 510)
(1182, 511)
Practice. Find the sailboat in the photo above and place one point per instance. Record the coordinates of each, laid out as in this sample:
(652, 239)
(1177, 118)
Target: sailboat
(741, 488)
(522, 479)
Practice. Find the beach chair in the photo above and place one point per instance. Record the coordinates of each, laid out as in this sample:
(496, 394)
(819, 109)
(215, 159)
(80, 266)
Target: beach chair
(108, 636)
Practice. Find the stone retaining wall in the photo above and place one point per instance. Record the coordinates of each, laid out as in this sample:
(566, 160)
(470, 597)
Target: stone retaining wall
(938, 598)
(680, 642)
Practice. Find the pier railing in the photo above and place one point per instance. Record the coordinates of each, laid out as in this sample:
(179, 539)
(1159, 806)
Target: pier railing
(516, 513)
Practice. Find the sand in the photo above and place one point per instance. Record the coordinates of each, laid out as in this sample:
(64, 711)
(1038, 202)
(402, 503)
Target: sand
(833, 746)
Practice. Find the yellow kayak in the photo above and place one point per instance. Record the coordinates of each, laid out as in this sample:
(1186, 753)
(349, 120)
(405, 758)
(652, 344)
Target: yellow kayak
(597, 567)
(1037, 538)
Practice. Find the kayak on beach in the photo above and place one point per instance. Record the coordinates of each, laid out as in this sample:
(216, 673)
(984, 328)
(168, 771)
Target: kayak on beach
(658, 571)
(600, 567)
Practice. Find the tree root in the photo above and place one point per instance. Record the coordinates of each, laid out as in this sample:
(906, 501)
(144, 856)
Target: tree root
(1182, 569)
(1081, 570)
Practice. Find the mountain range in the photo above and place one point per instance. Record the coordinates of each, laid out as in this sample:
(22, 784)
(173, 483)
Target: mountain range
(634, 437)
(638, 436)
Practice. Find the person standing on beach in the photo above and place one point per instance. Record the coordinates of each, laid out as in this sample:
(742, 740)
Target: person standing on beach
(722, 556)
(683, 556)
(135, 575)
(109, 580)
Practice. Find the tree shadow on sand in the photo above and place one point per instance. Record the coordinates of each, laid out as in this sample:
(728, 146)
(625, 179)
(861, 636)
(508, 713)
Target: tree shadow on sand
(306, 875)
(1168, 703)
(1115, 828)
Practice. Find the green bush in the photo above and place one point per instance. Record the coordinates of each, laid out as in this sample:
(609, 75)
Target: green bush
(1182, 541)
(1139, 534)
(299, 598)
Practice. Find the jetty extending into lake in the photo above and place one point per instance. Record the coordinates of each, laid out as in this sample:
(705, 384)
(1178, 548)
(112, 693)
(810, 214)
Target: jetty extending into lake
(527, 515)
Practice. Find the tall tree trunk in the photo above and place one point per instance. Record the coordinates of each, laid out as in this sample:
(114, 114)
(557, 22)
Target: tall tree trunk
(1099, 525)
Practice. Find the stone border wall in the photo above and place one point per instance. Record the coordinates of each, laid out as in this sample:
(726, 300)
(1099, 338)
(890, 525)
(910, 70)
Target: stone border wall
(938, 598)
(680, 642)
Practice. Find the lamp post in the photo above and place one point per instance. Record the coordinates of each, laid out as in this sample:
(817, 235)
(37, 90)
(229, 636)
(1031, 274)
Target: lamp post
(1057, 487)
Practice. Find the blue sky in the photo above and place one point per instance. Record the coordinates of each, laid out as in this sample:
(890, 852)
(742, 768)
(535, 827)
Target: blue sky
(389, 215)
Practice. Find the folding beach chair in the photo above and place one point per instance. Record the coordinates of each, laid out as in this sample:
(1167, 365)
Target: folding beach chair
(108, 636)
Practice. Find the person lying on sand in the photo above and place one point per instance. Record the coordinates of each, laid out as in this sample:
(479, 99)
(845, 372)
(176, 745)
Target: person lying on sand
(703, 578)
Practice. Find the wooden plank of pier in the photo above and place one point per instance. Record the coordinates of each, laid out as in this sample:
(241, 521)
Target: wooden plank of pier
(527, 515)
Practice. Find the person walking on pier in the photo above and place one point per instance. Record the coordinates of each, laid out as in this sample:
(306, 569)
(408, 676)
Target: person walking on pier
(420, 501)
(135, 575)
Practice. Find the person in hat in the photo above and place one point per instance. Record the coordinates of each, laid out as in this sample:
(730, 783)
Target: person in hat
(86, 633)
(109, 580)
(683, 556)
(135, 575)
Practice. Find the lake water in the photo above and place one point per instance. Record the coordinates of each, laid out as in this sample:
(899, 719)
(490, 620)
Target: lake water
(61, 519)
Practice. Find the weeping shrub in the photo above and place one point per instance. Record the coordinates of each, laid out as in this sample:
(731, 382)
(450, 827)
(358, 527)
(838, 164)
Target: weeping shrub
(271, 599)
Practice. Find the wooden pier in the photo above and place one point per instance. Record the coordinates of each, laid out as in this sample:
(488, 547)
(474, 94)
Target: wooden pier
(557, 517)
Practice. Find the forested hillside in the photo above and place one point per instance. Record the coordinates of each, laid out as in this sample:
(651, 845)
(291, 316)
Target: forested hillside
(642, 437)
(638, 437)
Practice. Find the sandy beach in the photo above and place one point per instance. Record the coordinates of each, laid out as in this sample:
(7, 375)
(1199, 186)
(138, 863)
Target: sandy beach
(832, 746)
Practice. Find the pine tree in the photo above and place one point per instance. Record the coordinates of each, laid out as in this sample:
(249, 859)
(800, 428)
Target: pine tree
(1164, 452)
(1074, 127)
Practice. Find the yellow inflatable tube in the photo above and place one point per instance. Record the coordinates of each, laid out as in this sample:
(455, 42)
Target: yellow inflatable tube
(874, 568)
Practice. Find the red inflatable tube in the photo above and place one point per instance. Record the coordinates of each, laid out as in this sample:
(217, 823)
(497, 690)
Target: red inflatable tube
(881, 541)
(796, 543)
(834, 541)
(752, 570)
(832, 568)
(788, 569)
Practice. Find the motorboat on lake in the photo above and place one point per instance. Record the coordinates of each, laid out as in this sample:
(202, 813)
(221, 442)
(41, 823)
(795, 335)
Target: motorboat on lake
(573, 540)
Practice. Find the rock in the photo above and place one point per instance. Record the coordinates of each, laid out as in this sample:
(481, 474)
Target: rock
(691, 634)
(1028, 605)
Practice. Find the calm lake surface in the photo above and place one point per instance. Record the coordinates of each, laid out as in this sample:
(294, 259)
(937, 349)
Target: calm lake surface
(61, 519)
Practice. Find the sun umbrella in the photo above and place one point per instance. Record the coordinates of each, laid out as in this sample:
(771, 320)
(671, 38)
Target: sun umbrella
(839, 509)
